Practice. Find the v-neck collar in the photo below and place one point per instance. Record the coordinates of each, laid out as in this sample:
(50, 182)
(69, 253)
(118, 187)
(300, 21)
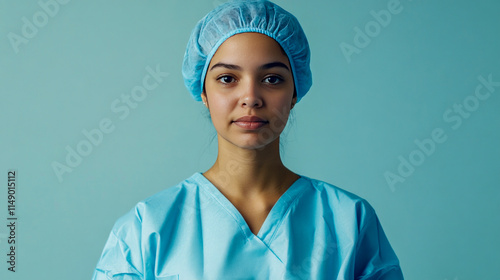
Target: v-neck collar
(274, 217)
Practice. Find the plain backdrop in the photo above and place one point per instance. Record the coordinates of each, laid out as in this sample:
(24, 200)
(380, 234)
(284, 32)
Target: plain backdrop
(383, 88)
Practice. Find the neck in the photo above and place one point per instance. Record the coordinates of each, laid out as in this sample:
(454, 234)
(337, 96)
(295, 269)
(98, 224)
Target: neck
(240, 172)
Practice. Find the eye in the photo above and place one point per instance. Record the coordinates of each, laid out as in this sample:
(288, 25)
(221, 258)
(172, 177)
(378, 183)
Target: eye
(273, 80)
(226, 79)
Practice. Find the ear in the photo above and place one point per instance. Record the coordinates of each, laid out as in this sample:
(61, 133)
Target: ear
(204, 99)
(294, 101)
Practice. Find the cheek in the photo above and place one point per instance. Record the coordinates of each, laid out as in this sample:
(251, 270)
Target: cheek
(283, 105)
(281, 111)
(219, 110)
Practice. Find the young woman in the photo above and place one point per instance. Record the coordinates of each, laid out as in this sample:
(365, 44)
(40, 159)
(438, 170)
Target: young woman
(248, 216)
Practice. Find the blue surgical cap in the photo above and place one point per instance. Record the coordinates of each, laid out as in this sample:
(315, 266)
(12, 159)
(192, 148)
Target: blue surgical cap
(240, 16)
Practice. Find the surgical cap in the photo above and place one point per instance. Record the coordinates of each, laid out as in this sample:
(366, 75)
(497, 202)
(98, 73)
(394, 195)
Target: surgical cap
(240, 16)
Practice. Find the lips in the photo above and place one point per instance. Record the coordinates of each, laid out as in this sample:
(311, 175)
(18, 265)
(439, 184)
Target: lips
(250, 122)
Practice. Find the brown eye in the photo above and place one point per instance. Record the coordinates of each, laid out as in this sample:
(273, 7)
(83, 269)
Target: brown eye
(273, 80)
(226, 79)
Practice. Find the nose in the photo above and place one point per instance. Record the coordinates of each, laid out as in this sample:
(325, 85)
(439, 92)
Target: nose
(251, 97)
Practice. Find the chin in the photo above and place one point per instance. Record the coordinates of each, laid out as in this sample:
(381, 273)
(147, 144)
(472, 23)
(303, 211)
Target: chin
(257, 140)
(255, 147)
(255, 143)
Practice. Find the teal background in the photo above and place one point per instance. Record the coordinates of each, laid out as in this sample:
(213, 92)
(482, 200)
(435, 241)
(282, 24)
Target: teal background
(443, 221)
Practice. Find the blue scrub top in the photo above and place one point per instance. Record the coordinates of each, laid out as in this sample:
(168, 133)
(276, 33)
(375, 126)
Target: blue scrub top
(192, 231)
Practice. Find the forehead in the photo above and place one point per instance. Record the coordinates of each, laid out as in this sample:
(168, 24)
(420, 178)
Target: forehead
(250, 47)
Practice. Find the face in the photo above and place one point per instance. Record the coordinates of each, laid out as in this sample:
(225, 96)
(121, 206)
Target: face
(249, 90)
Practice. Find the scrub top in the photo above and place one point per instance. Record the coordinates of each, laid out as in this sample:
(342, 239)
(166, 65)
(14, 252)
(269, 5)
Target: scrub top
(192, 231)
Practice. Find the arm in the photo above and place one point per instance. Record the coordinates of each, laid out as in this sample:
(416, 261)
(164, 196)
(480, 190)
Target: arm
(375, 258)
(122, 257)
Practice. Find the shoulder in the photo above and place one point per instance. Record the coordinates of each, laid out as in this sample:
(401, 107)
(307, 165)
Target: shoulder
(335, 194)
(341, 202)
(171, 195)
(160, 206)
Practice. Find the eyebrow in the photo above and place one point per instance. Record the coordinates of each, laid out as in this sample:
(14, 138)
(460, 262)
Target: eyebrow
(263, 67)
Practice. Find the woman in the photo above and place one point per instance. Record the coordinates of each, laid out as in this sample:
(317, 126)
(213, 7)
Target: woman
(248, 216)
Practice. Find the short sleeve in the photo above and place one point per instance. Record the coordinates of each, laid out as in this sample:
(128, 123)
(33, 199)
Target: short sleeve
(121, 258)
(375, 258)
